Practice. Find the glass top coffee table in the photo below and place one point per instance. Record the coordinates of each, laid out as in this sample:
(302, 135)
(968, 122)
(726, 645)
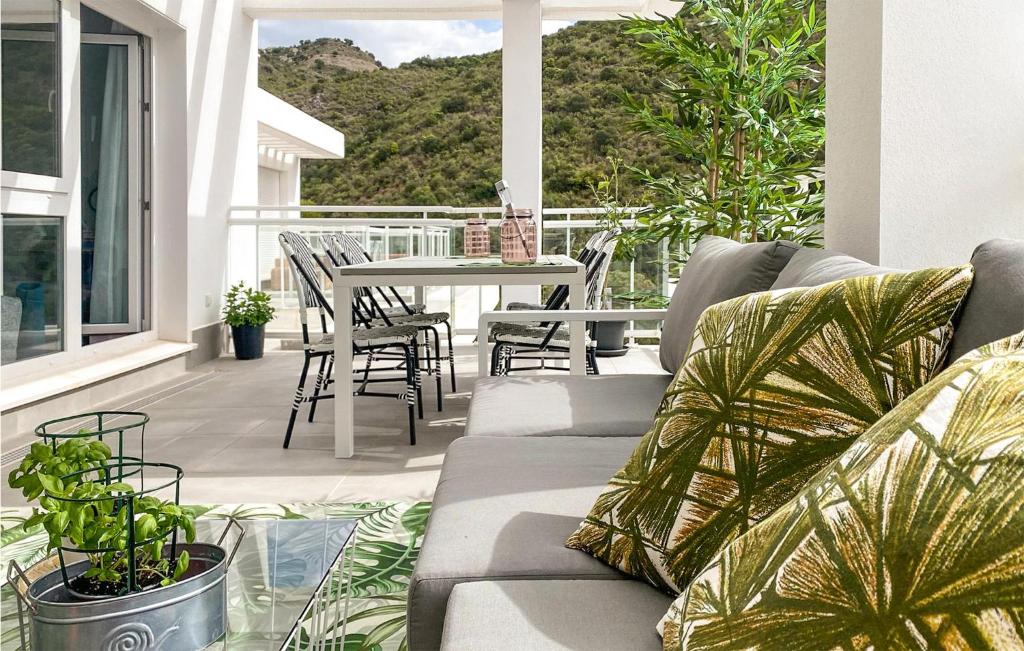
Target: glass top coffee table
(287, 583)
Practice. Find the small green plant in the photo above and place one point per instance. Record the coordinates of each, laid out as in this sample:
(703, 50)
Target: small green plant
(617, 214)
(245, 306)
(90, 515)
(93, 515)
(43, 460)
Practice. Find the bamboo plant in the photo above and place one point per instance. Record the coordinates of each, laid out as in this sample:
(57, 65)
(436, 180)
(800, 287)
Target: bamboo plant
(742, 103)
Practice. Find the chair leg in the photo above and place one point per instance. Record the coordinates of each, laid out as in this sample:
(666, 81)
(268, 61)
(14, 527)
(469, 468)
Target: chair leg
(437, 368)
(505, 361)
(495, 353)
(418, 376)
(330, 370)
(316, 388)
(425, 332)
(592, 362)
(410, 389)
(296, 402)
(451, 354)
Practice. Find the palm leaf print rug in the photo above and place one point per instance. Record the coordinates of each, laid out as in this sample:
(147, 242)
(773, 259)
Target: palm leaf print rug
(390, 534)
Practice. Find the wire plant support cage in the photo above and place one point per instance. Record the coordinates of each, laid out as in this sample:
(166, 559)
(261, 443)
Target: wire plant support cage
(122, 505)
(102, 426)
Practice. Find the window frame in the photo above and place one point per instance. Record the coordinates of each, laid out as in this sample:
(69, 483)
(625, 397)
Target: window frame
(61, 223)
(43, 182)
(136, 216)
(45, 196)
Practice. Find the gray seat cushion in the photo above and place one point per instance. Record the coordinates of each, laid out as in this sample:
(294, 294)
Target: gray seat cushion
(810, 267)
(503, 509)
(995, 306)
(543, 615)
(545, 405)
(717, 270)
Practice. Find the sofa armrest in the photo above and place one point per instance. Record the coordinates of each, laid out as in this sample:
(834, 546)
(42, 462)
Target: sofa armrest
(567, 316)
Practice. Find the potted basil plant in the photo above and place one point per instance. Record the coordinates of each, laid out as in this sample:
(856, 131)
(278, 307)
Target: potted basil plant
(247, 311)
(125, 571)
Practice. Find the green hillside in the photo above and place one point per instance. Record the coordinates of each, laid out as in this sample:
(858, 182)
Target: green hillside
(429, 131)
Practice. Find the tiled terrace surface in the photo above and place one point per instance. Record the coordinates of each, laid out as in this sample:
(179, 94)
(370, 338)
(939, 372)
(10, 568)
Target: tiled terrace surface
(225, 428)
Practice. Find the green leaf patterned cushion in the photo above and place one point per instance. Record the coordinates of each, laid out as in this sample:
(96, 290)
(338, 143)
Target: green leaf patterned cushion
(776, 385)
(912, 539)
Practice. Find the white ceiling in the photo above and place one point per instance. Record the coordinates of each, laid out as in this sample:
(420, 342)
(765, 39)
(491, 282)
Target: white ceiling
(447, 9)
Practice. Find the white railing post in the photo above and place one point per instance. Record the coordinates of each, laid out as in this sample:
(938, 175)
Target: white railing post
(632, 304)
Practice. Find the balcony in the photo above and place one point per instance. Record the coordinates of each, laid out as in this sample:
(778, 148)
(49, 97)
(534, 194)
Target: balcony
(504, 495)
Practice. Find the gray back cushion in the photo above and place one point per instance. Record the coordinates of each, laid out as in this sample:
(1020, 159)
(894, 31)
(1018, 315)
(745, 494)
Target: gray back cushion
(810, 267)
(718, 269)
(995, 305)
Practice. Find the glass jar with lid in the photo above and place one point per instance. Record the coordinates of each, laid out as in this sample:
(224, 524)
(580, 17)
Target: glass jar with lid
(518, 237)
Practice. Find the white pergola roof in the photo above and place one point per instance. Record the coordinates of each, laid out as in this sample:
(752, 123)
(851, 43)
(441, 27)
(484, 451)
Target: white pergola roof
(287, 130)
(448, 9)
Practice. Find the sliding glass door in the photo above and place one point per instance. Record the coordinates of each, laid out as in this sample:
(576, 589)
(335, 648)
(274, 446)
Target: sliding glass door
(111, 173)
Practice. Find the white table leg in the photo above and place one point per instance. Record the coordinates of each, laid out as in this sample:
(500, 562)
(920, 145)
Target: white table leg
(482, 356)
(577, 329)
(344, 421)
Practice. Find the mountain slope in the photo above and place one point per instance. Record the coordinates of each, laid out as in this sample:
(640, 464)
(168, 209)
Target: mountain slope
(429, 131)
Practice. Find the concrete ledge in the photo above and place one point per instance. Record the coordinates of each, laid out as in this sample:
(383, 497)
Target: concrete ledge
(56, 382)
(209, 341)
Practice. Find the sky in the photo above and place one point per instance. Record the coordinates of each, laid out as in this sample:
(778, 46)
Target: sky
(397, 41)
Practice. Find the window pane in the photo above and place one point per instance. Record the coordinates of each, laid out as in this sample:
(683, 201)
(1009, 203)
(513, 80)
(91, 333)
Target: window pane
(106, 232)
(31, 86)
(32, 314)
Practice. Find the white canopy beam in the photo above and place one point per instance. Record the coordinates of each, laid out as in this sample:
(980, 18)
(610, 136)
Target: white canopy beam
(447, 9)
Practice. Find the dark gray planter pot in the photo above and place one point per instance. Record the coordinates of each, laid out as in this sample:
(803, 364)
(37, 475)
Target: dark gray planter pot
(611, 338)
(248, 341)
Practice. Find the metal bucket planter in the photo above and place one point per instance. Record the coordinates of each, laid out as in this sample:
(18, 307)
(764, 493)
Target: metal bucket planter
(183, 616)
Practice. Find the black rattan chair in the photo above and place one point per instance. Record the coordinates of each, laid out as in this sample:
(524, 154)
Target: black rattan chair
(319, 346)
(385, 306)
(537, 341)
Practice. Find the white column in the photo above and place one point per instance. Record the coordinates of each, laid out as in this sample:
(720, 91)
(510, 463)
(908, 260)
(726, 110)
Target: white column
(522, 114)
(853, 127)
(923, 155)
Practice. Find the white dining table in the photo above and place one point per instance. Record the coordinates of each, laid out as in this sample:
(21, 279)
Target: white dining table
(420, 272)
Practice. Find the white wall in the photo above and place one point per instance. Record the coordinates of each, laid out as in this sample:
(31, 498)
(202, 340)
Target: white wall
(219, 84)
(944, 170)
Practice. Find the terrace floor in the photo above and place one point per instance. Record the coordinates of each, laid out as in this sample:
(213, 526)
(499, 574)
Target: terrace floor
(224, 426)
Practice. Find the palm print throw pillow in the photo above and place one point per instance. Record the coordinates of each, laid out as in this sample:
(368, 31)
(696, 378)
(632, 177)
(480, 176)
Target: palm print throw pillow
(775, 386)
(912, 539)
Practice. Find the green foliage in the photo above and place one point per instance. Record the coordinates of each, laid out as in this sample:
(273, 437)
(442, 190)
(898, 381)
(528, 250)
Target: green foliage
(92, 515)
(44, 462)
(245, 306)
(445, 116)
(616, 214)
(742, 106)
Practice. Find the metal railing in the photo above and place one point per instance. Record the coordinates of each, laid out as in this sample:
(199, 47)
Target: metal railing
(386, 232)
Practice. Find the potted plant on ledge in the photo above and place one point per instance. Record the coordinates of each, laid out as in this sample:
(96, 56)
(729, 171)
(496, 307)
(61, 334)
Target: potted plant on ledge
(247, 311)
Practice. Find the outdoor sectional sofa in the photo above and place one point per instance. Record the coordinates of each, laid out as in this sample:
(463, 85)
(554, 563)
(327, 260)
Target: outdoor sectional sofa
(493, 571)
